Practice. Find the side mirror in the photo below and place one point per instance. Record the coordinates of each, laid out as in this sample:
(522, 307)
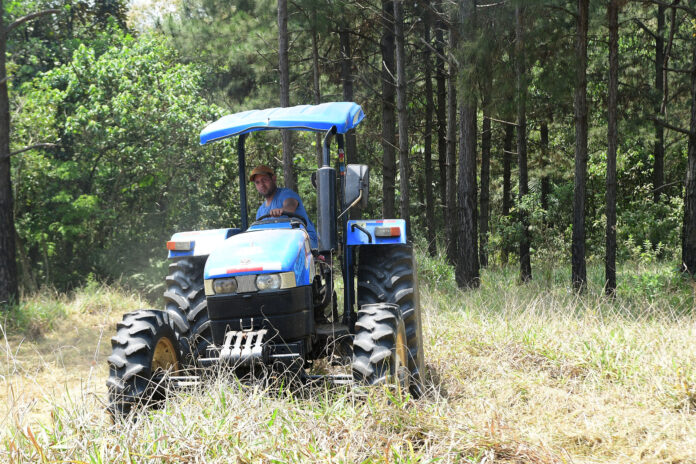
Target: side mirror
(357, 179)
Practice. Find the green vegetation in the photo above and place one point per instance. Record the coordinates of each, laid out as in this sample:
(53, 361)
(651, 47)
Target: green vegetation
(131, 173)
(517, 373)
(121, 108)
(532, 373)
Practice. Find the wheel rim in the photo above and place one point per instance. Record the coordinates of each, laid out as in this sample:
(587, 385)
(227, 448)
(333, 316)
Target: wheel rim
(164, 357)
(401, 368)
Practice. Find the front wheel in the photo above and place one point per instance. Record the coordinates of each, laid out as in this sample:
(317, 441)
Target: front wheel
(187, 308)
(379, 347)
(144, 349)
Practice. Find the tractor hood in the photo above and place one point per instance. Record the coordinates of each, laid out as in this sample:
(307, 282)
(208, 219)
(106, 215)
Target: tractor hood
(261, 252)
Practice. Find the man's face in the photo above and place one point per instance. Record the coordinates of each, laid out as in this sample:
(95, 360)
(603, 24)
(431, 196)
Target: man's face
(265, 184)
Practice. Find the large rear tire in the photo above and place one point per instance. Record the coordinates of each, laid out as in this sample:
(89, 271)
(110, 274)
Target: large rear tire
(379, 347)
(187, 307)
(144, 349)
(387, 274)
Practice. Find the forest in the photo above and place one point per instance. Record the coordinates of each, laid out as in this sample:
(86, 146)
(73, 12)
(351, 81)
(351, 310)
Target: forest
(505, 132)
(542, 153)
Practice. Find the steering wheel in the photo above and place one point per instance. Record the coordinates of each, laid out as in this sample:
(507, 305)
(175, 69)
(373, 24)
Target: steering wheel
(285, 213)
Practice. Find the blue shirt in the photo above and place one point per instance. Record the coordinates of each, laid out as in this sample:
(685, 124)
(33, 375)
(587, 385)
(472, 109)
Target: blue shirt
(282, 194)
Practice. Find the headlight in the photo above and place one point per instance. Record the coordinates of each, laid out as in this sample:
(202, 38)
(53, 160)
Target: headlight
(268, 281)
(228, 285)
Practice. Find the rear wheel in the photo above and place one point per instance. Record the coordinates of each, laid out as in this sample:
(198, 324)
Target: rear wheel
(386, 274)
(379, 347)
(187, 307)
(144, 349)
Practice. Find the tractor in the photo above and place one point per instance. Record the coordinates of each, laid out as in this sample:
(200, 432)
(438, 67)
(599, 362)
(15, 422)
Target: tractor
(260, 298)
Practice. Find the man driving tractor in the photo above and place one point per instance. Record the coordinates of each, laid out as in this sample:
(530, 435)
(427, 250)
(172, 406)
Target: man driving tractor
(279, 200)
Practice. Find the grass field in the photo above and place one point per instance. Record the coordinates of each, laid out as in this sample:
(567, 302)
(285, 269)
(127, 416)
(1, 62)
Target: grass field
(516, 373)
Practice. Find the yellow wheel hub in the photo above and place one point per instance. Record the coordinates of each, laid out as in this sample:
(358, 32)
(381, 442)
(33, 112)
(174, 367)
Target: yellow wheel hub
(164, 357)
(401, 363)
(401, 349)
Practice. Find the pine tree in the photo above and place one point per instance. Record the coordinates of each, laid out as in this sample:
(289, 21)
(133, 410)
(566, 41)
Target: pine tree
(388, 105)
(467, 262)
(579, 270)
(612, 136)
(525, 260)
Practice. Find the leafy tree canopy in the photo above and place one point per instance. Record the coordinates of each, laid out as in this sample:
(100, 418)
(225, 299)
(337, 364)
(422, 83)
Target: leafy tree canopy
(128, 168)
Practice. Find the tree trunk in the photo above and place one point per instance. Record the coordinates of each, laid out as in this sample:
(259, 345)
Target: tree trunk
(545, 179)
(441, 109)
(665, 72)
(525, 260)
(388, 104)
(507, 187)
(485, 172)
(9, 291)
(428, 139)
(284, 69)
(579, 270)
(402, 114)
(347, 80)
(316, 85)
(689, 239)
(420, 189)
(659, 147)
(467, 264)
(612, 139)
(451, 210)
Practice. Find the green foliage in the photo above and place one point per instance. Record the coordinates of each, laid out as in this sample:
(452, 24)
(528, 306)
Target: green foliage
(663, 284)
(236, 40)
(125, 113)
(650, 230)
(34, 316)
(50, 41)
(434, 271)
(128, 171)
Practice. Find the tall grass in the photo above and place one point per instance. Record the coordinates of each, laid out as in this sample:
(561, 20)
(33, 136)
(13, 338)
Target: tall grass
(528, 373)
(45, 310)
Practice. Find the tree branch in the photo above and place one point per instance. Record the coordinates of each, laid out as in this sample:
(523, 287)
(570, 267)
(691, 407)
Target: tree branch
(645, 28)
(36, 145)
(29, 17)
(560, 8)
(509, 123)
(682, 71)
(689, 10)
(674, 128)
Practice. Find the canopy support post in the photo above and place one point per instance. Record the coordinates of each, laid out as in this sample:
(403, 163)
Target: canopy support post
(326, 151)
(242, 181)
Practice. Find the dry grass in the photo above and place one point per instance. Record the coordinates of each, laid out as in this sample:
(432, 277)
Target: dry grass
(517, 374)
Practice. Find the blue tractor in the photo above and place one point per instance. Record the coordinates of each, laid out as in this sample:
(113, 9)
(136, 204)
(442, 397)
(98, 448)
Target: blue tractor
(260, 297)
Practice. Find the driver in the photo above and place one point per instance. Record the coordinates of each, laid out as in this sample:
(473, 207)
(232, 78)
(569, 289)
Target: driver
(279, 200)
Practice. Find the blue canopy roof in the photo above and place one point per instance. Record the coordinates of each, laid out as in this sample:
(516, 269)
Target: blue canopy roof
(343, 115)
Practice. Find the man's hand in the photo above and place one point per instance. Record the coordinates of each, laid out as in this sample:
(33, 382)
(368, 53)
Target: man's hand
(289, 206)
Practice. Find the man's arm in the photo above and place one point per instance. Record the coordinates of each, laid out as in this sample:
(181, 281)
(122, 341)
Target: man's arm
(289, 206)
